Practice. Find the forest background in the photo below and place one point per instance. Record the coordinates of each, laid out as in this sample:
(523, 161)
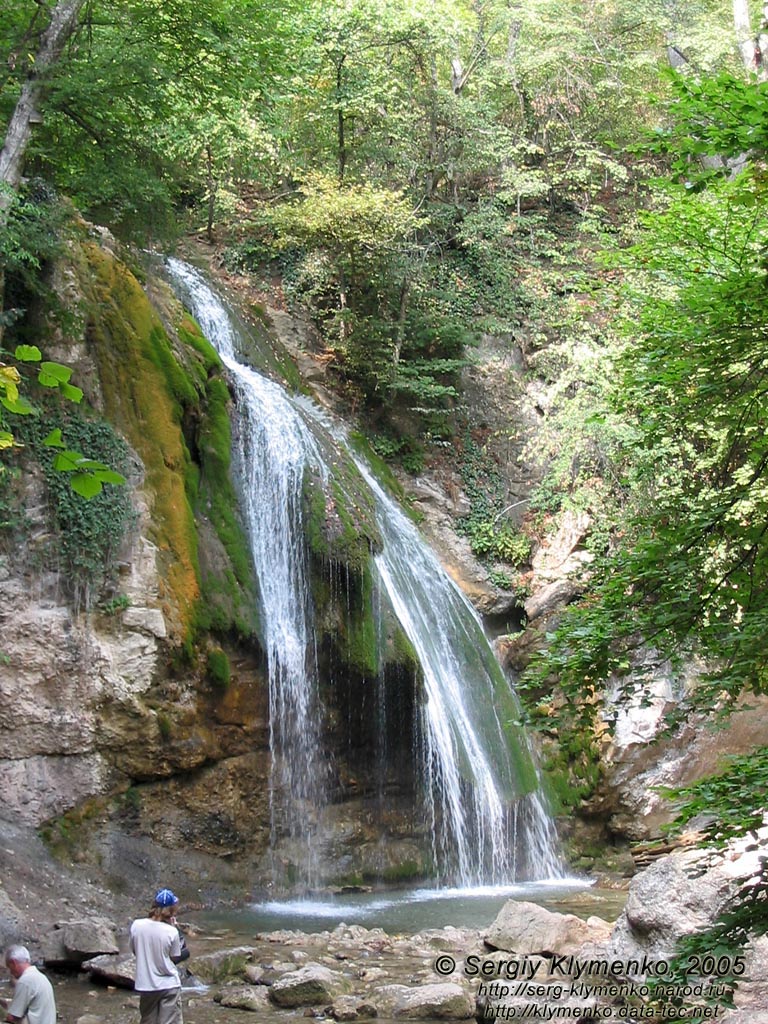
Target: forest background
(589, 177)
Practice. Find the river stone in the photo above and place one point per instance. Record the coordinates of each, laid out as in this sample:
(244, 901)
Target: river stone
(351, 1008)
(244, 997)
(72, 942)
(443, 1001)
(674, 896)
(459, 940)
(222, 964)
(114, 970)
(522, 927)
(308, 986)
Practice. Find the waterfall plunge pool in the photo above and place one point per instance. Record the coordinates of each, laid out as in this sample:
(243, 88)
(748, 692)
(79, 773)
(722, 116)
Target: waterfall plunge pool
(407, 911)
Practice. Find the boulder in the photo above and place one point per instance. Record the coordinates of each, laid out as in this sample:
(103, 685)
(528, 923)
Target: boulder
(222, 964)
(751, 997)
(441, 1001)
(244, 997)
(522, 927)
(459, 940)
(311, 985)
(346, 1008)
(69, 943)
(674, 896)
(117, 969)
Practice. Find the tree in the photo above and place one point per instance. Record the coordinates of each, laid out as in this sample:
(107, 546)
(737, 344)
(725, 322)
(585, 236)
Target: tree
(63, 23)
(688, 570)
(26, 113)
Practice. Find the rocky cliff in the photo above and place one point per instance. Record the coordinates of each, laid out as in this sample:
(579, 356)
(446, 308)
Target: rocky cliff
(133, 696)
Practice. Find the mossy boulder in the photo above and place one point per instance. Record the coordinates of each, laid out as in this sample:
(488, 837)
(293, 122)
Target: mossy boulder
(340, 516)
(162, 386)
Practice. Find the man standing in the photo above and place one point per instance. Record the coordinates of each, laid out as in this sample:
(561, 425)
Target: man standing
(156, 945)
(32, 994)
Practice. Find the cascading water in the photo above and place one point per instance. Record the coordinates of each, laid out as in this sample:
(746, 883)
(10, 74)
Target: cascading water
(480, 786)
(489, 822)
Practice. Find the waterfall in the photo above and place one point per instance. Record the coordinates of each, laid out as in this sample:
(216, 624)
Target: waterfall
(480, 784)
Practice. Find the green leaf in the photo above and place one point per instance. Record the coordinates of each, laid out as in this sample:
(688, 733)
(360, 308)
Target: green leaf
(68, 461)
(71, 393)
(109, 476)
(86, 485)
(57, 371)
(54, 439)
(20, 406)
(28, 353)
(6, 440)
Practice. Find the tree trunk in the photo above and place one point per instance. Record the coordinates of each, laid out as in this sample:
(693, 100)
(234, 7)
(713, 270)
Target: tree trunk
(400, 334)
(62, 25)
(742, 24)
(340, 124)
(211, 182)
(752, 45)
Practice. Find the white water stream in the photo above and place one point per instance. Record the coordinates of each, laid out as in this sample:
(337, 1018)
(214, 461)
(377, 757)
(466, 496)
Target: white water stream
(482, 794)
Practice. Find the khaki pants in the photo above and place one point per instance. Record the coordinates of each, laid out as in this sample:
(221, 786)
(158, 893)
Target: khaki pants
(163, 1007)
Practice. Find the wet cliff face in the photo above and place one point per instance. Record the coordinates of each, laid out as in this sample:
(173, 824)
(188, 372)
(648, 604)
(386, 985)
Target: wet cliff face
(133, 699)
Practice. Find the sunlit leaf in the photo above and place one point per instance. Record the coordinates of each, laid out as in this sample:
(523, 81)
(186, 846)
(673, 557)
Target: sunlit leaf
(67, 461)
(54, 439)
(28, 353)
(19, 405)
(70, 392)
(58, 371)
(86, 485)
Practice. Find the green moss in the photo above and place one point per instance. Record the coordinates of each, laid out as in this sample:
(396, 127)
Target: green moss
(362, 636)
(164, 725)
(229, 966)
(189, 332)
(229, 597)
(65, 834)
(218, 668)
(130, 346)
(401, 651)
(340, 517)
(572, 772)
(172, 403)
(405, 871)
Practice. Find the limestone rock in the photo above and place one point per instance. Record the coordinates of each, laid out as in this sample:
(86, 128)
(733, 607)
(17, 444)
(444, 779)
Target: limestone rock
(458, 940)
(550, 598)
(222, 964)
(751, 996)
(441, 1001)
(113, 969)
(146, 620)
(72, 942)
(671, 898)
(522, 927)
(346, 1008)
(312, 985)
(244, 997)
(254, 974)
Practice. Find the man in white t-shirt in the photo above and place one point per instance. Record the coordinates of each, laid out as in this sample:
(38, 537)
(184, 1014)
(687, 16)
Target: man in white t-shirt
(156, 944)
(32, 992)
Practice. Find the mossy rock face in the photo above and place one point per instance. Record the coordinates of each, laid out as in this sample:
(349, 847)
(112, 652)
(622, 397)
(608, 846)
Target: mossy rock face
(340, 516)
(163, 387)
(144, 391)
